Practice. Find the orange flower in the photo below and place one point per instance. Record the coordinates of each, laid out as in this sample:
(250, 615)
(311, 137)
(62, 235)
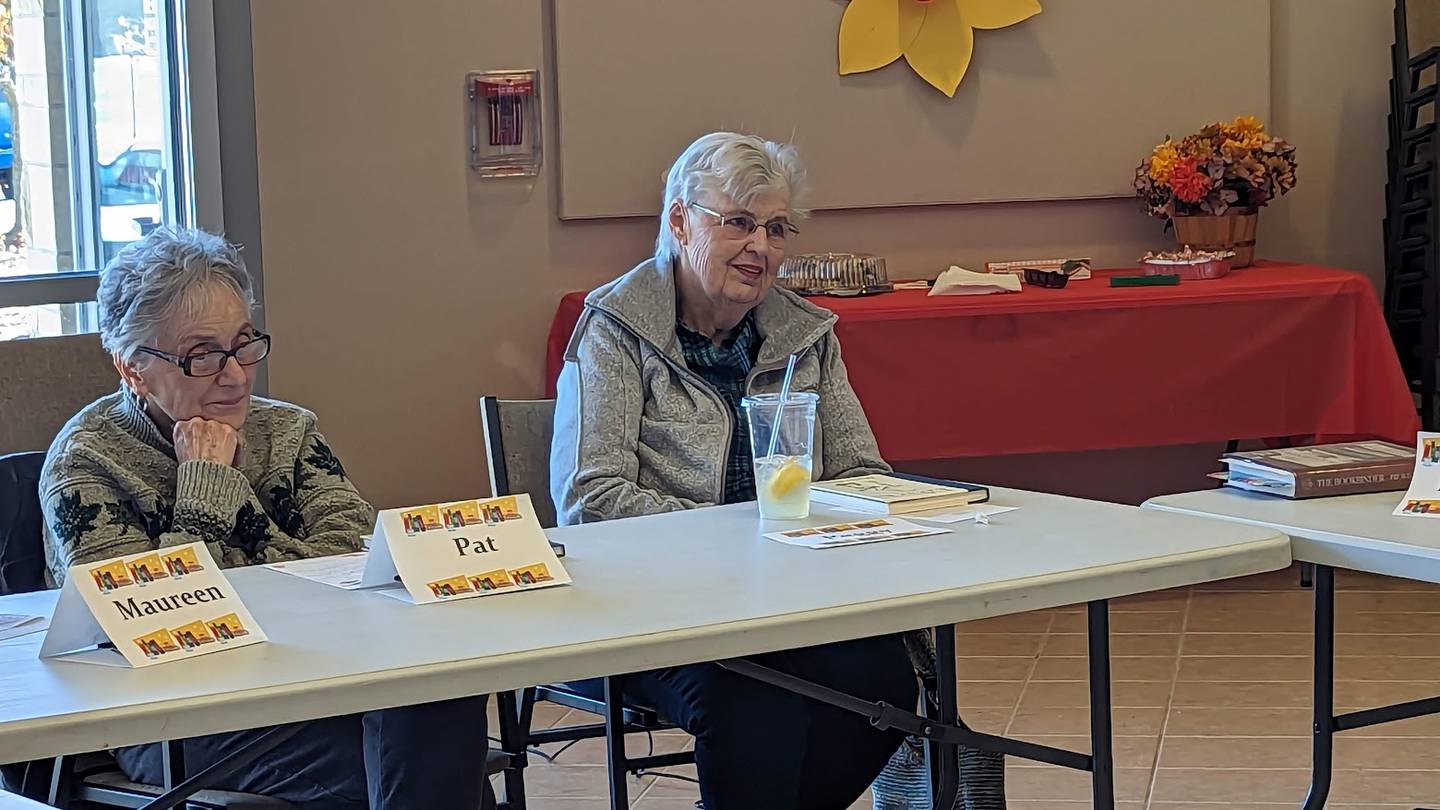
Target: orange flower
(1190, 185)
(1248, 125)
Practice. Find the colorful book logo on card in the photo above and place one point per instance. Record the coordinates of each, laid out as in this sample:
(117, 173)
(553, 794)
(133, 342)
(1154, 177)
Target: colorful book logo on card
(463, 549)
(453, 586)
(1430, 451)
(1416, 506)
(460, 515)
(147, 569)
(149, 608)
(492, 580)
(171, 563)
(229, 627)
(181, 561)
(422, 519)
(111, 576)
(532, 575)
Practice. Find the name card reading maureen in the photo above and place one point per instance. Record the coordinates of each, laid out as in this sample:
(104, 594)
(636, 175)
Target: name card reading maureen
(145, 609)
(446, 551)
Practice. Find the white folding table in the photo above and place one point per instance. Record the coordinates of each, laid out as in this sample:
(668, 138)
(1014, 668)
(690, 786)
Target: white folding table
(9, 801)
(649, 592)
(1357, 532)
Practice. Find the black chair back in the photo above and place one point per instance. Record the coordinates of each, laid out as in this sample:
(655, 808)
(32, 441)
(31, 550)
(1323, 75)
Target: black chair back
(22, 544)
(517, 450)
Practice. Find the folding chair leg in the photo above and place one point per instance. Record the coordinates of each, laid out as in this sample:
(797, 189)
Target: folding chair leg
(62, 782)
(527, 710)
(172, 765)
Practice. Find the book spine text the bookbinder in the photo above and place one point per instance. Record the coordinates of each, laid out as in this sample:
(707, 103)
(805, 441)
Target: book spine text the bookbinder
(1324, 483)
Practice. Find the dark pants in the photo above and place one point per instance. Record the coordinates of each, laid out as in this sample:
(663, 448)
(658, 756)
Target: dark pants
(759, 747)
(432, 755)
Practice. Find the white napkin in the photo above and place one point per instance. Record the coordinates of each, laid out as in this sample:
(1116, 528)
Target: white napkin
(959, 281)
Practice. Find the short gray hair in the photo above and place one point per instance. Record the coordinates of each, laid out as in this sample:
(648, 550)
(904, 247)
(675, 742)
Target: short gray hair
(165, 277)
(741, 167)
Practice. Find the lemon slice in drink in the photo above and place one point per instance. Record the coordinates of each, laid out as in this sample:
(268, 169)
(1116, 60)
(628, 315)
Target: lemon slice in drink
(790, 475)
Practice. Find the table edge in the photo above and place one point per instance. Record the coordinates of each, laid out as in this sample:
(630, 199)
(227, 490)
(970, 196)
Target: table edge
(192, 716)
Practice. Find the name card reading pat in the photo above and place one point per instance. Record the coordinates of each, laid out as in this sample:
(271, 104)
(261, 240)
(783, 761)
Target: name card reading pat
(446, 551)
(145, 609)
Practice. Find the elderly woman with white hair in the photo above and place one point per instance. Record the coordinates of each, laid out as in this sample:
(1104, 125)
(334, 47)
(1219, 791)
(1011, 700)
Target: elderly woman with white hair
(184, 453)
(648, 419)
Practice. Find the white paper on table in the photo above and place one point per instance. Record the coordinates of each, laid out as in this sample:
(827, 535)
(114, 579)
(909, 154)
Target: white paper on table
(339, 571)
(1422, 499)
(961, 515)
(13, 625)
(873, 530)
(959, 281)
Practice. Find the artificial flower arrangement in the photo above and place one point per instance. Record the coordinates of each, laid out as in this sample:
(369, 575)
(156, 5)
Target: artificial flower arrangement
(1224, 166)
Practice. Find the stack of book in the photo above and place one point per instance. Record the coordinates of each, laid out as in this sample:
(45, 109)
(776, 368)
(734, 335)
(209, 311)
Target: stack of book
(892, 495)
(1349, 468)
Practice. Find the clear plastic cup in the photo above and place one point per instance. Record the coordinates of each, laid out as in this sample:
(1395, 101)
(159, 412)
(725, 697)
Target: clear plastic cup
(782, 481)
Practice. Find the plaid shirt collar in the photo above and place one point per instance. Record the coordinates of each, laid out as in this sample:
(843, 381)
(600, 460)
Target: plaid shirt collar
(737, 351)
(726, 368)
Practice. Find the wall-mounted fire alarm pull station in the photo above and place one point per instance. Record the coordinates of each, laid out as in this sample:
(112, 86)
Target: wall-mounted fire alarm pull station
(505, 135)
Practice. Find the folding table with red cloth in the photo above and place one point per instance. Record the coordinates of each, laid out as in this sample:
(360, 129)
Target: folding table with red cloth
(1276, 350)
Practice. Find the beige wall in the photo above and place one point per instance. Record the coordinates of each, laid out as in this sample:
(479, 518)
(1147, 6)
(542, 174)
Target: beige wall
(1331, 63)
(400, 289)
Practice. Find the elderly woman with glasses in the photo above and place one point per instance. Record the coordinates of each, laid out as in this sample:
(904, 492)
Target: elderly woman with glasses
(184, 453)
(648, 420)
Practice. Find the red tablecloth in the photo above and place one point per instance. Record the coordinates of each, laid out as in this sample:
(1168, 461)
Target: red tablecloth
(1274, 350)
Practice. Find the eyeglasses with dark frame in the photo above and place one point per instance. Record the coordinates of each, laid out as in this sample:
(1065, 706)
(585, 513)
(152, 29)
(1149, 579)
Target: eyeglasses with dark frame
(741, 224)
(208, 364)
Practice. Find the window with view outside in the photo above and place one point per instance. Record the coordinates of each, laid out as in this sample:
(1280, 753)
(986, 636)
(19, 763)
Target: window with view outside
(87, 156)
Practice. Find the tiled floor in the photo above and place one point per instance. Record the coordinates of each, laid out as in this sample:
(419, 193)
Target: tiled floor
(1211, 701)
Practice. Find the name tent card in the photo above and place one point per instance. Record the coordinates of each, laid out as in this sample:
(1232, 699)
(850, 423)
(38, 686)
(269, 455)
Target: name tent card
(446, 551)
(145, 609)
(1423, 498)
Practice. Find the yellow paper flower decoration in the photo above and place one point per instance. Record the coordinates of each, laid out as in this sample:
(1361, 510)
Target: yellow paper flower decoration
(936, 37)
(1163, 160)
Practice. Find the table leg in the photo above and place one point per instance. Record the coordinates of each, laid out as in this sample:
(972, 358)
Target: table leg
(1323, 719)
(945, 757)
(1101, 742)
(615, 744)
(512, 742)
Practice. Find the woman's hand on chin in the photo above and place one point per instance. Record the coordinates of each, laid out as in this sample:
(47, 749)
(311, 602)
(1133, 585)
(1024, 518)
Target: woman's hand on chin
(206, 440)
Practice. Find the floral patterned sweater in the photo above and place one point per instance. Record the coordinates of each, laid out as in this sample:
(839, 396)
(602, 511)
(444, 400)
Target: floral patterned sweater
(111, 487)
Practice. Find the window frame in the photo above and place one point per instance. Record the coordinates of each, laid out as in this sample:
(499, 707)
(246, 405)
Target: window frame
(192, 128)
